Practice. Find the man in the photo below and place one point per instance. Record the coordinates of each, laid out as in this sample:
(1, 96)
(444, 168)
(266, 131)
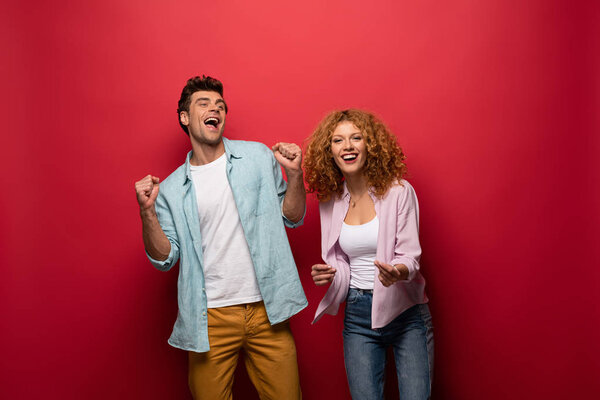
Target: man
(222, 214)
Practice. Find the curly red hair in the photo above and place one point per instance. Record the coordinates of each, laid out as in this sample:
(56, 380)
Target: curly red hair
(384, 164)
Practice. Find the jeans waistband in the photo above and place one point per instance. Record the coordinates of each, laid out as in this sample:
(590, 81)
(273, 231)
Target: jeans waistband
(363, 291)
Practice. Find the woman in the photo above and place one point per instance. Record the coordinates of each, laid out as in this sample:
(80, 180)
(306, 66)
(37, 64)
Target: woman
(370, 242)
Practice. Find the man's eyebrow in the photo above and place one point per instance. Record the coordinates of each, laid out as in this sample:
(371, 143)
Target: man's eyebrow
(208, 99)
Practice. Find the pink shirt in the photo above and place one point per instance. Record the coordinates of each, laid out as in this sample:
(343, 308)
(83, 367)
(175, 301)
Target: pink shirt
(397, 243)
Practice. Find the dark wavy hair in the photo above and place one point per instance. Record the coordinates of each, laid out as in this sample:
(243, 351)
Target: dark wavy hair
(193, 85)
(384, 163)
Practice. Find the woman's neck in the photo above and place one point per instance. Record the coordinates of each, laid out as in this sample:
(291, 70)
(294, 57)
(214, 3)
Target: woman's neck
(356, 184)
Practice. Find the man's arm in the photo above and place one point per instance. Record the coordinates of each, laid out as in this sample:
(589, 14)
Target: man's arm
(289, 156)
(155, 241)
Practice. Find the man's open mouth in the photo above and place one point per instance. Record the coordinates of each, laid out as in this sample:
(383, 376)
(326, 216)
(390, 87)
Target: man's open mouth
(212, 121)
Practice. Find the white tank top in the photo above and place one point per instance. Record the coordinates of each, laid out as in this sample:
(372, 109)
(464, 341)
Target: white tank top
(359, 242)
(228, 269)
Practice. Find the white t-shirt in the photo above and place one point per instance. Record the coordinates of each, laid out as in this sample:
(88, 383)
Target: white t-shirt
(228, 270)
(359, 242)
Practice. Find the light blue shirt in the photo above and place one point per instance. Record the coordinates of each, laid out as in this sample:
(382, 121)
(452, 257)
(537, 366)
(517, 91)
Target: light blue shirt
(258, 190)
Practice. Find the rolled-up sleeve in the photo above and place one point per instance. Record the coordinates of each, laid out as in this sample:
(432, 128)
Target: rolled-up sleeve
(165, 218)
(408, 248)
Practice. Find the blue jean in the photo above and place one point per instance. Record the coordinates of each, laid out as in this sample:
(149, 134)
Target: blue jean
(411, 337)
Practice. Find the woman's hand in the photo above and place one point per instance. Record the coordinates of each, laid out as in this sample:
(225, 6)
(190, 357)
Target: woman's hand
(390, 274)
(322, 274)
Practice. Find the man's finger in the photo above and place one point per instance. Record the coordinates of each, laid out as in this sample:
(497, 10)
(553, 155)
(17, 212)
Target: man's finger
(277, 147)
(154, 192)
(148, 189)
(287, 150)
(290, 155)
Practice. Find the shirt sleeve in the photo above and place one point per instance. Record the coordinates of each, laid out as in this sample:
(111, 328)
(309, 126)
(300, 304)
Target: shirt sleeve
(408, 249)
(165, 219)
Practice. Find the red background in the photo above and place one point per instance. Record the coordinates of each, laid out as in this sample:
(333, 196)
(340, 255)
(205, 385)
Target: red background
(495, 103)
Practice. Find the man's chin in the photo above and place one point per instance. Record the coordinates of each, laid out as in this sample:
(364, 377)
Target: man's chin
(210, 139)
(214, 137)
(214, 141)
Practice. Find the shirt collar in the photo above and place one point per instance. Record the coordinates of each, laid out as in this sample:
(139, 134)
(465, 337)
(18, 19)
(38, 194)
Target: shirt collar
(346, 194)
(230, 151)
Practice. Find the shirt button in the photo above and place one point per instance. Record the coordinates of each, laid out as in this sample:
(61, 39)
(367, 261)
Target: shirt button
(204, 313)
(204, 290)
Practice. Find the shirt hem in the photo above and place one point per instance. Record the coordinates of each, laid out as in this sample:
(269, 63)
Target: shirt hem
(235, 302)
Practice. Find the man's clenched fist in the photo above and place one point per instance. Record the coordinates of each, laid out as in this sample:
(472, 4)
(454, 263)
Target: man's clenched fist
(146, 190)
(289, 156)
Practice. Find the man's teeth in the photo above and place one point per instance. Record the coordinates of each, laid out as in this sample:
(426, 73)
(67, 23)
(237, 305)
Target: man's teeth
(211, 121)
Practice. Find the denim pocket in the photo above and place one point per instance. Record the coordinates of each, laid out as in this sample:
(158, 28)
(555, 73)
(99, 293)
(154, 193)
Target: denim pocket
(352, 296)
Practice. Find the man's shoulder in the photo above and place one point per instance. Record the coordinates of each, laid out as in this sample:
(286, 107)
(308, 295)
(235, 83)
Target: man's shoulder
(174, 182)
(248, 147)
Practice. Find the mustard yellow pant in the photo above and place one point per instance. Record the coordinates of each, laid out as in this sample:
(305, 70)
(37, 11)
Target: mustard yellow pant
(270, 355)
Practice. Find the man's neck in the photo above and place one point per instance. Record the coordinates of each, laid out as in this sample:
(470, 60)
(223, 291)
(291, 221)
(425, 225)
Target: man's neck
(203, 153)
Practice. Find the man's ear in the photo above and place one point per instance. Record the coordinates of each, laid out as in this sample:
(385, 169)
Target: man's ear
(184, 118)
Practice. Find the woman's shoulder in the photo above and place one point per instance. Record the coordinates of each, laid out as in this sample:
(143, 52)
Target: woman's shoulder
(400, 188)
(399, 196)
